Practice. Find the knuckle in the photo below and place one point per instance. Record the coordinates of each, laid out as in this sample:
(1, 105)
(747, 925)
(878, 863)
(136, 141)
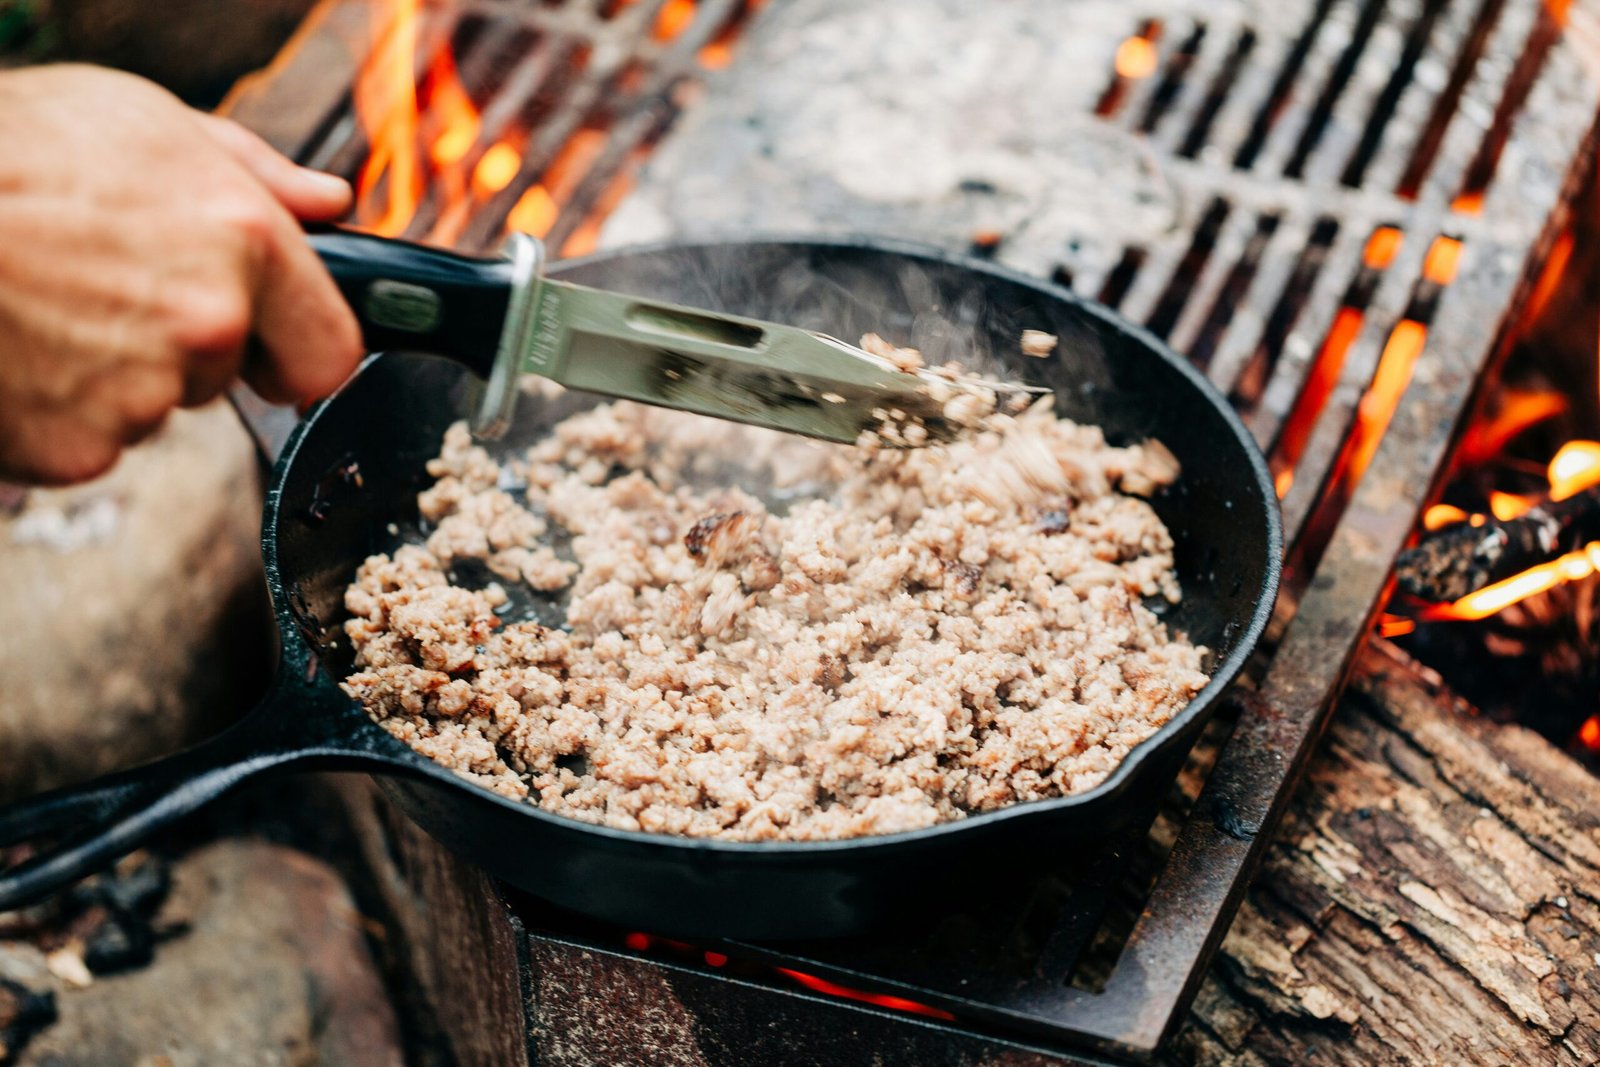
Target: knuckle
(147, 401)
(83, 458)
(327, 360)
(211, 319)
(251, 219)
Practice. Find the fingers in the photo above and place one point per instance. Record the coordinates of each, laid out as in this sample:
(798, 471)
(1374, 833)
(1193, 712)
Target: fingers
(71, 443)
(54, 451)
(309, 341)
(310, 196)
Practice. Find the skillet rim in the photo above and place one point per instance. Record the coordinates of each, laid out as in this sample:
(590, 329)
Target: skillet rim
(1119, 779)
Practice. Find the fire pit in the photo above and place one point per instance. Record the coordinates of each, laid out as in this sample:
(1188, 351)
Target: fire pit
(1336, 208)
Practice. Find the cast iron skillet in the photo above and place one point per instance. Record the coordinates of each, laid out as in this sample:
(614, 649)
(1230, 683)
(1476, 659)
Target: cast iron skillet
(353, 468)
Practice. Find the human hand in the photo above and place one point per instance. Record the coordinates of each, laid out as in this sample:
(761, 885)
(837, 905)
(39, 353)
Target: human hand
(143, 246)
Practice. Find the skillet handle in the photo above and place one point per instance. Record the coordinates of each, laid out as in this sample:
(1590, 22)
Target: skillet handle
(412, 298)
(110, 816)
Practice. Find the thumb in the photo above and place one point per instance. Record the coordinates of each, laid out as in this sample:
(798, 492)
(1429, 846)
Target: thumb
(310, 195)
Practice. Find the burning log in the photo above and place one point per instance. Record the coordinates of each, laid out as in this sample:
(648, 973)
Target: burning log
(1461, 559)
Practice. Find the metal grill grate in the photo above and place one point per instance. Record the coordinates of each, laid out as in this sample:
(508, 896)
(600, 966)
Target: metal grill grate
(581, 90)
(1335, 163)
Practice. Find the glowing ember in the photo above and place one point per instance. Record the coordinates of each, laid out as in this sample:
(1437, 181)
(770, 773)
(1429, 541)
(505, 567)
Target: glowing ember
(882, 1000)
(1283, 481)
(1136, 58)
(1382, 247)
(675, 17)
(534, 213)
(642, 942)
(495, 170)
(1589, 733)
(1575, 468)
(1442, 260)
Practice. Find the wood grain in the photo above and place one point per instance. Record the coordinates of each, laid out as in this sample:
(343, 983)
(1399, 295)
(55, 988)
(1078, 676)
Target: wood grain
(1433, 896)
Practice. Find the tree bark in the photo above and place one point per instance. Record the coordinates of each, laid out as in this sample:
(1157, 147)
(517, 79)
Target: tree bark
(1433, 897)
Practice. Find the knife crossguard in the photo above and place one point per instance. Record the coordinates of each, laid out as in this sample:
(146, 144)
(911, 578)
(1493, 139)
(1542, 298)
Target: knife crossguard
(494, 402)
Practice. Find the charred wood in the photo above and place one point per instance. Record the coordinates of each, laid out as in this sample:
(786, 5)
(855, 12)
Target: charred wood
(1457, 560)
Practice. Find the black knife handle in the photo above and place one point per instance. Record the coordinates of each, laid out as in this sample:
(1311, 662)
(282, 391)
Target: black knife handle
(413, 298)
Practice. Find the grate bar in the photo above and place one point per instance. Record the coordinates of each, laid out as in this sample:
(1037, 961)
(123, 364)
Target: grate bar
(673, 65)
(1418, 86)
(1490, 82)
(1420, 156)
(1226, 260)
(1392, 296)
(1217, 53)
(1312, 83)
(627, 139)
(1137, 93)
(1274, 273)
(1250, 279)
(1246, 126)
(1365, 108)
(1332, 128)
(1304, 341)
(1389, 301)
(1199, 255)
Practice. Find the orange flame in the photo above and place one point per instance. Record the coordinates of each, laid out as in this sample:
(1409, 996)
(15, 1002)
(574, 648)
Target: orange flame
(1572, 567)
(1324, 375)
(534, 213)
(1441, 515)
(1518, 411)
(1382, 398)
(426, 136)
(717, 55)
(1576, 467)
(1395, 625)
(385, 98)
(417, 138)
(451, 115)
(1507, 506)
(496, 170)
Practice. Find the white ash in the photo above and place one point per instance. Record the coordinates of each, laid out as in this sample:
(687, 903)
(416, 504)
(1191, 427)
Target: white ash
(928, 634)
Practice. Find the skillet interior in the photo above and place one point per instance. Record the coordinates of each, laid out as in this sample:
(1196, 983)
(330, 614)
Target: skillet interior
(1221, 513)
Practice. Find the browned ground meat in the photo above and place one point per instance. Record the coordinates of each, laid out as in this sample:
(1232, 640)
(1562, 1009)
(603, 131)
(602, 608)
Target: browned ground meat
(930, 633)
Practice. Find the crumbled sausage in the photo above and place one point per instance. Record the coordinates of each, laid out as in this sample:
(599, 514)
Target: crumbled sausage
(919, 634)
